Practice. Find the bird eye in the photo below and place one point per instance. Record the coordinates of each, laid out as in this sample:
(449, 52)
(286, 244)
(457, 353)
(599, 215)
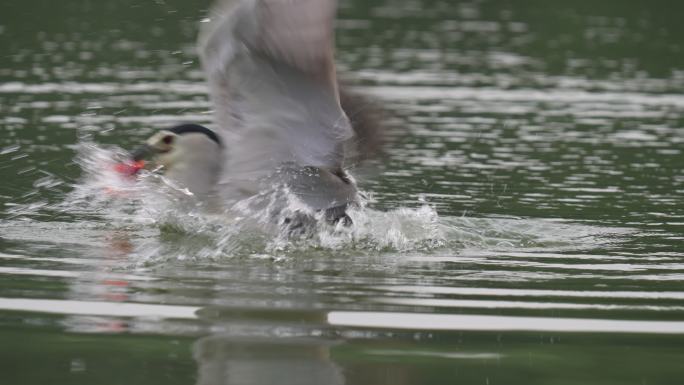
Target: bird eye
(167, 139)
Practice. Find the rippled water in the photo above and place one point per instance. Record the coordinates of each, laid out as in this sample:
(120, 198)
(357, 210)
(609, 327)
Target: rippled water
(525, 225)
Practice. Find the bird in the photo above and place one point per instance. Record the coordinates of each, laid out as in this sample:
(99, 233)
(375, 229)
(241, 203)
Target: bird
(278, 116)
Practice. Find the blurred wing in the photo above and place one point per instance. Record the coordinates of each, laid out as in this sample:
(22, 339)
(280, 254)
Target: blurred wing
(270, 68)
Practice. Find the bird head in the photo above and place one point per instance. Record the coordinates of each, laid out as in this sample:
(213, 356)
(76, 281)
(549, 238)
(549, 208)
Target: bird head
(189, 154)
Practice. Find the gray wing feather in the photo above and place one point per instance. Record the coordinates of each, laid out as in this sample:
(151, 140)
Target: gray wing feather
(269, 64)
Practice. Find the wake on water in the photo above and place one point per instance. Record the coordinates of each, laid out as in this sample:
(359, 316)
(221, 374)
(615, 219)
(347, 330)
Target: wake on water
(170, 224)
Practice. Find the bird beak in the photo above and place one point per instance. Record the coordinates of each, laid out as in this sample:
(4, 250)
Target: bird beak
(142, 152)
(136, 163)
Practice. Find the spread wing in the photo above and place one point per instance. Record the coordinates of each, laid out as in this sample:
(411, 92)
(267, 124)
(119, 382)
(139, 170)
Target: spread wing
(270, 68)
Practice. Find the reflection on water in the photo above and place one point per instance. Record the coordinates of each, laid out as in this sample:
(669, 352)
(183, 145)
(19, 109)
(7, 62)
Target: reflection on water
(524, 226)
(223, 360)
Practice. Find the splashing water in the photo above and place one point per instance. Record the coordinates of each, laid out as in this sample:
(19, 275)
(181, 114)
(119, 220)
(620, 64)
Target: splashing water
(175, 226)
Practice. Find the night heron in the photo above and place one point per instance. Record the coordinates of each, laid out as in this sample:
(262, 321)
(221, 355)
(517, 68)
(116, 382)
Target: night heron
(279, 120)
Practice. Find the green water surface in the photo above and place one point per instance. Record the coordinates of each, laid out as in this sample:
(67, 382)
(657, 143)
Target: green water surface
(533, 176)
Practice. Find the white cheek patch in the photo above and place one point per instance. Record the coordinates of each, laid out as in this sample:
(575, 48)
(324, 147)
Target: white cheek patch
(154, 140)
(169, 159)
(188, 151)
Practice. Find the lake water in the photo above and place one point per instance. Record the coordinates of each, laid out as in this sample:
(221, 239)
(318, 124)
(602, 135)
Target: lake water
(525, 225)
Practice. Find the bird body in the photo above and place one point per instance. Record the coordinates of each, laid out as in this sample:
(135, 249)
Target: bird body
(271, 74)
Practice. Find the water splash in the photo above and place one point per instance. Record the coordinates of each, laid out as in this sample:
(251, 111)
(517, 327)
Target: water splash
(273, 224)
